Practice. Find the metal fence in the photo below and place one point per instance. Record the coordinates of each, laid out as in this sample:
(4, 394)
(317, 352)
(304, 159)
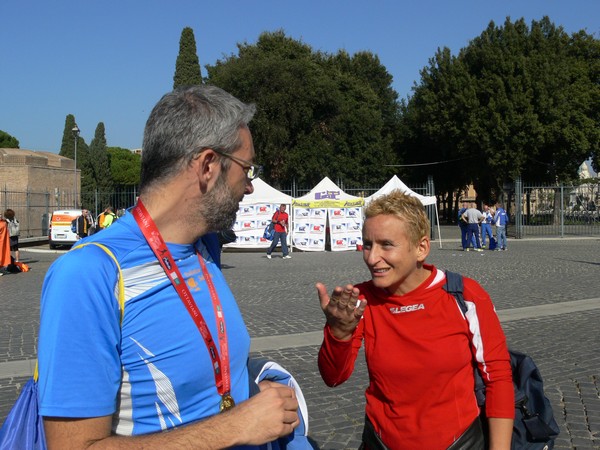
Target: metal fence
(33, 209)
(536, 210)
(556, 210)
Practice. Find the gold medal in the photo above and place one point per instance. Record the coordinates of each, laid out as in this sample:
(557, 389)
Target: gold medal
(226, 402)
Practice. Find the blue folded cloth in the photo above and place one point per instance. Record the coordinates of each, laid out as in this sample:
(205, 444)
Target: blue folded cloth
(261, 369)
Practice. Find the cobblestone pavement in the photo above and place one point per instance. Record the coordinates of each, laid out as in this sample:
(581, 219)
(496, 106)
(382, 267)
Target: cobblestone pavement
(277, 298)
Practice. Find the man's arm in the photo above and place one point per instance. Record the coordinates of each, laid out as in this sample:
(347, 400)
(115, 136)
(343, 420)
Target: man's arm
(263, 418)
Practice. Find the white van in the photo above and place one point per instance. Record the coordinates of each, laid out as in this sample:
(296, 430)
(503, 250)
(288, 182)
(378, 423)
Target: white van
(59, 231)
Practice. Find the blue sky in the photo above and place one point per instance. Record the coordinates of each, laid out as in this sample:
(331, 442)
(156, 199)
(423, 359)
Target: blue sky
(111, 60)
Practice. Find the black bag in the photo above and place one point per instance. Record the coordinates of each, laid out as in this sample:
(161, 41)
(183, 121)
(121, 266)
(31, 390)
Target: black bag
(534, 426)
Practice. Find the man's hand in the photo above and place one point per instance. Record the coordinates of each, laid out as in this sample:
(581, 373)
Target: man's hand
(343, 309)
(269, 415)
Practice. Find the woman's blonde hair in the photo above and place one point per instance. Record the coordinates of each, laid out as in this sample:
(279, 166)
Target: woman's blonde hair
(406, 208)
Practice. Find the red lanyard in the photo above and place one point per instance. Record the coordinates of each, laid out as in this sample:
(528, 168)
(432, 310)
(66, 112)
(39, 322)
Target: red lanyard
(220, 364)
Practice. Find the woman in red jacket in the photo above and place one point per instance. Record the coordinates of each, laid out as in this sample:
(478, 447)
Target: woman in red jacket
(418, 346)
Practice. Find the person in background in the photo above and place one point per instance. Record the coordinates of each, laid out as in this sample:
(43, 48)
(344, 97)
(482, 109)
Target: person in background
(109, 217)
(418, 346)
(501, 220)
(486, 226)
(173, 374)
(100, 220)
(83, 224)
(473, 217)
(462, 224)
(4, 245)
(14, 230)
(281, 221)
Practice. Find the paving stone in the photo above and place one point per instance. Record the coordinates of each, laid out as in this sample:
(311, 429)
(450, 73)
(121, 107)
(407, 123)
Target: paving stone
(280, 299)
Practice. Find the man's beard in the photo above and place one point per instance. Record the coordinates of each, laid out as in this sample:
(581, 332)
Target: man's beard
(219, 207)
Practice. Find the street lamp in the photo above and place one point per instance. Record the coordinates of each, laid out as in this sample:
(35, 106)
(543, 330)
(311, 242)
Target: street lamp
(75, 131)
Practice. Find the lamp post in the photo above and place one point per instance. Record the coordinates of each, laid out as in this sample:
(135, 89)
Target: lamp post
(75, 131)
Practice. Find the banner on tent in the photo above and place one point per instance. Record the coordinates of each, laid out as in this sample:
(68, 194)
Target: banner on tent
(250, 223)
(327, 203)
(309, 228)
(345, 228)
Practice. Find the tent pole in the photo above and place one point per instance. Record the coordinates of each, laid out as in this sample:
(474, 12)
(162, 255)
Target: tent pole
(291, 225)
(437, 218)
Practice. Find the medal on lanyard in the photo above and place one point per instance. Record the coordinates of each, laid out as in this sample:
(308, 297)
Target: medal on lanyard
(220, 362)
(226, 402)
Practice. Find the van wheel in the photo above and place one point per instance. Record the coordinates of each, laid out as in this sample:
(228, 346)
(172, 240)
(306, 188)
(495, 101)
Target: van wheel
(52, 246)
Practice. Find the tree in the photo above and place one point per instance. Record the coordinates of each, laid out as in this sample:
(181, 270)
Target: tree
(8, 141)
(124, 166)
(67, 150)
(516, 101)
(433, 122)
(316, 114)
(187, 67)
(98, 175)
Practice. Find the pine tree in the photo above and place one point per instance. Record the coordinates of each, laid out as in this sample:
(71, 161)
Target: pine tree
(187, 67)
(67, 148)
(100, 177)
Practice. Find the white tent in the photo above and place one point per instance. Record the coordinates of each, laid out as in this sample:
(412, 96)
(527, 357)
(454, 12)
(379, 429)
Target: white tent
(328, 194)
(265, 193)
(310, 213)
(254, 214)
(396, 184)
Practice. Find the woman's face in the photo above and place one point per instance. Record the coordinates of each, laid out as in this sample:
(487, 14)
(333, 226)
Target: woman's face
(393, 261)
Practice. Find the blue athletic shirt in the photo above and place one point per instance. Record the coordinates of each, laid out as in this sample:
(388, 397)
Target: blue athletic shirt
(153, 373)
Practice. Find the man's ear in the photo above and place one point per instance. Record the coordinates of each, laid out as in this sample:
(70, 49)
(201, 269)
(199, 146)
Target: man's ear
(207, 167)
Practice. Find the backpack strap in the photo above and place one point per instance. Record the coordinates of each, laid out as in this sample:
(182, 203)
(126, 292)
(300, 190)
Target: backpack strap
(454, 285)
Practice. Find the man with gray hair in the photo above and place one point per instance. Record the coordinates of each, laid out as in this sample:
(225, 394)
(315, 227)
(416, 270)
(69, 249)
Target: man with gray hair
(473, 217)
(169, 370)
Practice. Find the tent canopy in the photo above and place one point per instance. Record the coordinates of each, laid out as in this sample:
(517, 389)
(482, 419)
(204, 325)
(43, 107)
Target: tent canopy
(265, 193)
(395, 183)
(327, 194)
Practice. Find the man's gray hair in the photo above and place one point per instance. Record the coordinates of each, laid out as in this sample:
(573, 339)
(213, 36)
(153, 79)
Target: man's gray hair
(185, 121)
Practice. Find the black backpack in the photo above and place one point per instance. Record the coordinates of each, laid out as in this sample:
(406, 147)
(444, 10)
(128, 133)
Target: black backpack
(534, 426)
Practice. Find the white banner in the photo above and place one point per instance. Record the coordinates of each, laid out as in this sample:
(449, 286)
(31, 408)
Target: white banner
(345, 228)
(309, 228)
(250, 225)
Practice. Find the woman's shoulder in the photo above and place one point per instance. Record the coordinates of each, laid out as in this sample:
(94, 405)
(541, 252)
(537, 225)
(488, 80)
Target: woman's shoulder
(473, 291)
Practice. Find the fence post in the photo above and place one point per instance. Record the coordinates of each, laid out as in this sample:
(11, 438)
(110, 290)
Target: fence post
(518, 208)
(562, 211)
(430, 190)
(46, 215)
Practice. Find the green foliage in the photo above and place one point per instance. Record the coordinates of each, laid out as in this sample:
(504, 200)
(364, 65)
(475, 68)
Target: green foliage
(67, 148)
(124, 166)
(187, 67)
(96, 175)
(517, 101)
(8, 141)
(317, 114)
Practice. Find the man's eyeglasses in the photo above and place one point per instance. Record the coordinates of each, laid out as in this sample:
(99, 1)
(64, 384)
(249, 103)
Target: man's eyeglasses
(252, 170)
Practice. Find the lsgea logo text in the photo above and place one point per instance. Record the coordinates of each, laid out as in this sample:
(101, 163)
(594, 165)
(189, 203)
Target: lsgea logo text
(405, 309)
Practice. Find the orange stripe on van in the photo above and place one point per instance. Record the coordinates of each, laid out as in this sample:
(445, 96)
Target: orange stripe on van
(62, 219)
